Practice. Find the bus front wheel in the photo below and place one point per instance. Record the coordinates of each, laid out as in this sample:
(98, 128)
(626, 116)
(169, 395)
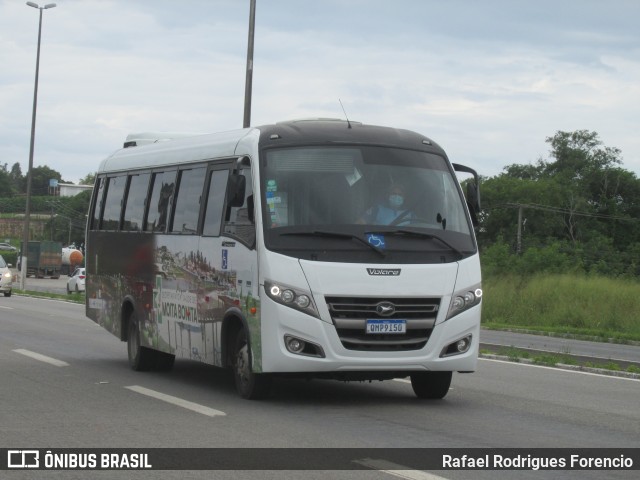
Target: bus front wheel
(432, 385)
(140, 358)
(250, 385)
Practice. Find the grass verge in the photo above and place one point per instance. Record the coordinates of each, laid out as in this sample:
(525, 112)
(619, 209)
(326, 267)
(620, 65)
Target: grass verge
(583, 306)
(72, 297)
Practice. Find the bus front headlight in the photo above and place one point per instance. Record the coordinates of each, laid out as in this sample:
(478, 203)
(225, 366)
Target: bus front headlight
(291, 297)
(464, 300)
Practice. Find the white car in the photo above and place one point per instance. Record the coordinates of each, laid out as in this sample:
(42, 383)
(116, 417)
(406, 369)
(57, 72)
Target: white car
(6, 278)
(7, 247)
(76, 281)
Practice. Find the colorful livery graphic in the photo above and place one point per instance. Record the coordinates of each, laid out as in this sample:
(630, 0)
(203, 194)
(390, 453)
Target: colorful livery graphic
(316, 248)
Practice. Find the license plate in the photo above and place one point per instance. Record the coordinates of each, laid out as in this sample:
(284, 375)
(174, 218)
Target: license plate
(386, 326)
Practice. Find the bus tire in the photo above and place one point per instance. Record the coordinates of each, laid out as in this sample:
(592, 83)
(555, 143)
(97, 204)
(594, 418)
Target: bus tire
(250, 385)
(431, 385)
(140, 358)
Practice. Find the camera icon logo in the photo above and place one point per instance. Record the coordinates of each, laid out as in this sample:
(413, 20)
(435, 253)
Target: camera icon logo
(23, 459)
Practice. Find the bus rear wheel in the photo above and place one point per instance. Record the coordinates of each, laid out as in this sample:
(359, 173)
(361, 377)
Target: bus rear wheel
(431, 385)
(250, 385)
(140, 358)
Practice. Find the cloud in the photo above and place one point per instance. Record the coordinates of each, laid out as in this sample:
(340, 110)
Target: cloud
(489, 81)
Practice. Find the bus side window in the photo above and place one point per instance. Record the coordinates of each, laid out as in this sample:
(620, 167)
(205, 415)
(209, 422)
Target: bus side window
(135, 201)
(160, 201)
(187, 208)
(113, 203)
(97, 203)
(238, 223)
(215, 202)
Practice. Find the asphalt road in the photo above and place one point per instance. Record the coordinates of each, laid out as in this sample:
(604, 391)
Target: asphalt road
(51, 285)
(94, 400)
(595, 351)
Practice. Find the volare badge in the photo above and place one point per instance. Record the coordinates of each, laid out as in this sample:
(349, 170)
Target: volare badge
(384, 272)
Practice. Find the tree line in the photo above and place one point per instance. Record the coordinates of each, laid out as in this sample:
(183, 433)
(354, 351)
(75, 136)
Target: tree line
(13, 182)
(578, 211)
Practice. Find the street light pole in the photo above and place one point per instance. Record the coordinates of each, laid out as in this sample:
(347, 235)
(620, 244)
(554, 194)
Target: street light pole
(249, 79)
(27, 213)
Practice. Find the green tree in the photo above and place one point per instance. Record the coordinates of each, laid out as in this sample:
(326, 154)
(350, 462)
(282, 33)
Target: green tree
(596, 185)
(17, 179)
(580, 200)
(6, 186)
(40, 177)
(88, 180)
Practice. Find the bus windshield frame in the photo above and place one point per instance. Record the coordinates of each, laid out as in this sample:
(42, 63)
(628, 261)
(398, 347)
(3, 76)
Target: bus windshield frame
(330, 203)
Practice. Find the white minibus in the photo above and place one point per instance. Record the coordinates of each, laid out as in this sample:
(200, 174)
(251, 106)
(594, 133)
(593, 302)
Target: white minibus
(312, 248)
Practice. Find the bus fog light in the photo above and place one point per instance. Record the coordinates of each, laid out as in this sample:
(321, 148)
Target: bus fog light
(463, 345)
(457, 348)
(303, 347)
(295, 345)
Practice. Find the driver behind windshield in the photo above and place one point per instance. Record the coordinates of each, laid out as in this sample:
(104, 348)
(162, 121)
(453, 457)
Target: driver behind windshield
(392, 208)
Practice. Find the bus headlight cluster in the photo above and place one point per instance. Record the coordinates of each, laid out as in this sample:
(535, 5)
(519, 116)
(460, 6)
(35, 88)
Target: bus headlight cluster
(464, 300)
(291, 297)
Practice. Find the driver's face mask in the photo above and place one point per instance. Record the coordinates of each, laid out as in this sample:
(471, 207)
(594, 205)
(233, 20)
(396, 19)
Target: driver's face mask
(396, 200)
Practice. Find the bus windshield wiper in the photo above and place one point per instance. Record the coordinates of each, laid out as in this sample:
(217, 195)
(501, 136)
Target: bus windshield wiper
(350, 236)
(423, 235)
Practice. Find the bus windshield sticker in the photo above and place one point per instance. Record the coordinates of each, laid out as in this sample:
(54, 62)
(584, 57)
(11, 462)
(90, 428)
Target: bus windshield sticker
(376, 240)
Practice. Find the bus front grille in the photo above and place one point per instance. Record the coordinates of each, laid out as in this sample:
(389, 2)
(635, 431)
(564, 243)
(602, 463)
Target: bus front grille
(350, 315)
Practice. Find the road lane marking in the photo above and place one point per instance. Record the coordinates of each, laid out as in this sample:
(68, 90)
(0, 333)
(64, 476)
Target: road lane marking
(42, 358)
(210, 412)
(397, 470)
(557, 369)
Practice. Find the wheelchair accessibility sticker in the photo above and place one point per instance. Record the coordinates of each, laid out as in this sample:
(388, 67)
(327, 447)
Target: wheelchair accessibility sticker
(376, 240)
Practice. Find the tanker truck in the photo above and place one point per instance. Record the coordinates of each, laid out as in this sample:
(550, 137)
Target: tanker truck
(71, 259)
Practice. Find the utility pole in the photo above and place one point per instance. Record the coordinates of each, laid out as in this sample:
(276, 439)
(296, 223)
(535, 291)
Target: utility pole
(27, 213)
(249, 79)
(519, 237)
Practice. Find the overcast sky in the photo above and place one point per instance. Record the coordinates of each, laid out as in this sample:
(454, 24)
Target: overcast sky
(488, 80)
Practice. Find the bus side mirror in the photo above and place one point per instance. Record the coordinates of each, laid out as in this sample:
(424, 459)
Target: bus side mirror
(472, 193)
(473, 201)
(236, 187)
(473, 196)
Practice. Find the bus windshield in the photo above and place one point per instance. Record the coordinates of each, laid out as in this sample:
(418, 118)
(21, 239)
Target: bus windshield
(332, 203)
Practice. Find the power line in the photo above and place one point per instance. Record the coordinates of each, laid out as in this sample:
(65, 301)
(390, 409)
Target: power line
(564, 211)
